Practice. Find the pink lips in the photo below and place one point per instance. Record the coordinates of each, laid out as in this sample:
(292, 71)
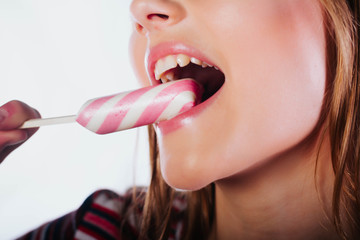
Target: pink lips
(173, 48)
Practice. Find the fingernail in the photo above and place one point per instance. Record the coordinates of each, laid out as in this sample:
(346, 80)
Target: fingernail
(3, 114)
(19, 140)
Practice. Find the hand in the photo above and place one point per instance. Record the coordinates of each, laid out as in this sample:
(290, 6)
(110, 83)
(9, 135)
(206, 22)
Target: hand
(12, 115)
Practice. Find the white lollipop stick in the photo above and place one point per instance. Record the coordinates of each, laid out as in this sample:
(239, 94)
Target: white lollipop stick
(33, 123)
(131, 109)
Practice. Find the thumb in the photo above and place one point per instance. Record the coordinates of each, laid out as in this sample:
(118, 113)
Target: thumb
(13, 114)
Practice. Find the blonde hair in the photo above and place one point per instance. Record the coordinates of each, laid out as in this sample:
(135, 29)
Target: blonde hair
(344, 114)
(343, 125)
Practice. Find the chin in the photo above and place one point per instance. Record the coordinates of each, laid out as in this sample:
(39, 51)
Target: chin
(185, 174)
(189, 184)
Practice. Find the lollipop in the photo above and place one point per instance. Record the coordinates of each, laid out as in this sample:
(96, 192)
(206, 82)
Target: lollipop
(131, 109)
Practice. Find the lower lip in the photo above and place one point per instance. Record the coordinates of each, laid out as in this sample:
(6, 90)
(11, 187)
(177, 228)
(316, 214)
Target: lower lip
(187, 117)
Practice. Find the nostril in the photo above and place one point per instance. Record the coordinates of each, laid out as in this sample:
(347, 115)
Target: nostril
(153, 20)
(157, 16)
(139, 27)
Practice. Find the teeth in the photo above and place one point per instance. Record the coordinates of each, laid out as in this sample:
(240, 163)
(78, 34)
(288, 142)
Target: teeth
(196, 61)
(170, 76)
(171, 61)
(164, 79)
(164, 64)
(182, 60)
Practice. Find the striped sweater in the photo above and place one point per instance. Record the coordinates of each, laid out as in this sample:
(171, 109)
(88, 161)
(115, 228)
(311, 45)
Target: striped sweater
(105, 215)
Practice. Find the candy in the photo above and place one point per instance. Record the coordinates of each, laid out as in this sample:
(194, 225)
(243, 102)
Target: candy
(138, 108)
(132, 109)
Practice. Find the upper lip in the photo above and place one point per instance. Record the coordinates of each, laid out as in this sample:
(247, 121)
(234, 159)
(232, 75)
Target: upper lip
(171, 48)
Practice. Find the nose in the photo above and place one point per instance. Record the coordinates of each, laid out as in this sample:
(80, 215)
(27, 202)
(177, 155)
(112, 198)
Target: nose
(152, 15)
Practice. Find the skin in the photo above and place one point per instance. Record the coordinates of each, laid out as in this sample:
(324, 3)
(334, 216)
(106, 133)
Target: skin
(12, 115)
(275, 78)
(258, 141)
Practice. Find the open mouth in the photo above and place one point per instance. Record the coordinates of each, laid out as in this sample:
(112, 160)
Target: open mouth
(180, 66)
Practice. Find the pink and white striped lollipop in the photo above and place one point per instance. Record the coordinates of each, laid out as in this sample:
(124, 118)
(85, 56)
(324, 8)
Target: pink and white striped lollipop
(138, 108)
(132, 109)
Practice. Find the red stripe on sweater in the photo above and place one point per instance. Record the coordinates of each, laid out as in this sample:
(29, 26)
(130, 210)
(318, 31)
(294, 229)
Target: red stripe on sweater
(91, 233)
(102, 223)
(106, 210)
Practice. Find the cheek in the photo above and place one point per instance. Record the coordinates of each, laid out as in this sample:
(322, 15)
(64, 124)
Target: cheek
(137, 49)
(270, 103)
(281, 85)
(279, 99)
(279, 78)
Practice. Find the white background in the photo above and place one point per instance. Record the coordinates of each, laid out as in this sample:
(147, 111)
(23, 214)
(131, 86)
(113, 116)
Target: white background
(54, 55)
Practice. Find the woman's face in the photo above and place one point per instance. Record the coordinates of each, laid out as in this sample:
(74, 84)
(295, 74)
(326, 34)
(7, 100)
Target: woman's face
(272, 54)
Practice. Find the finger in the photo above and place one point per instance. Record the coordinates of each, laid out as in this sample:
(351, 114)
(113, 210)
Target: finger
(14, 113)
(14, 137)
(10, 140)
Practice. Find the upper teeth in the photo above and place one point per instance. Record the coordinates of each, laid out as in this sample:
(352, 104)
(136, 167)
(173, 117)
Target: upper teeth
(170, 62)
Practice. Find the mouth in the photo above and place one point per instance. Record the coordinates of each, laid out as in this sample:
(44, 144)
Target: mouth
(181, 66)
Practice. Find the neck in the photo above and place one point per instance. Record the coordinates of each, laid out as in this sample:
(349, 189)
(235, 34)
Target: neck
(281, 199)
